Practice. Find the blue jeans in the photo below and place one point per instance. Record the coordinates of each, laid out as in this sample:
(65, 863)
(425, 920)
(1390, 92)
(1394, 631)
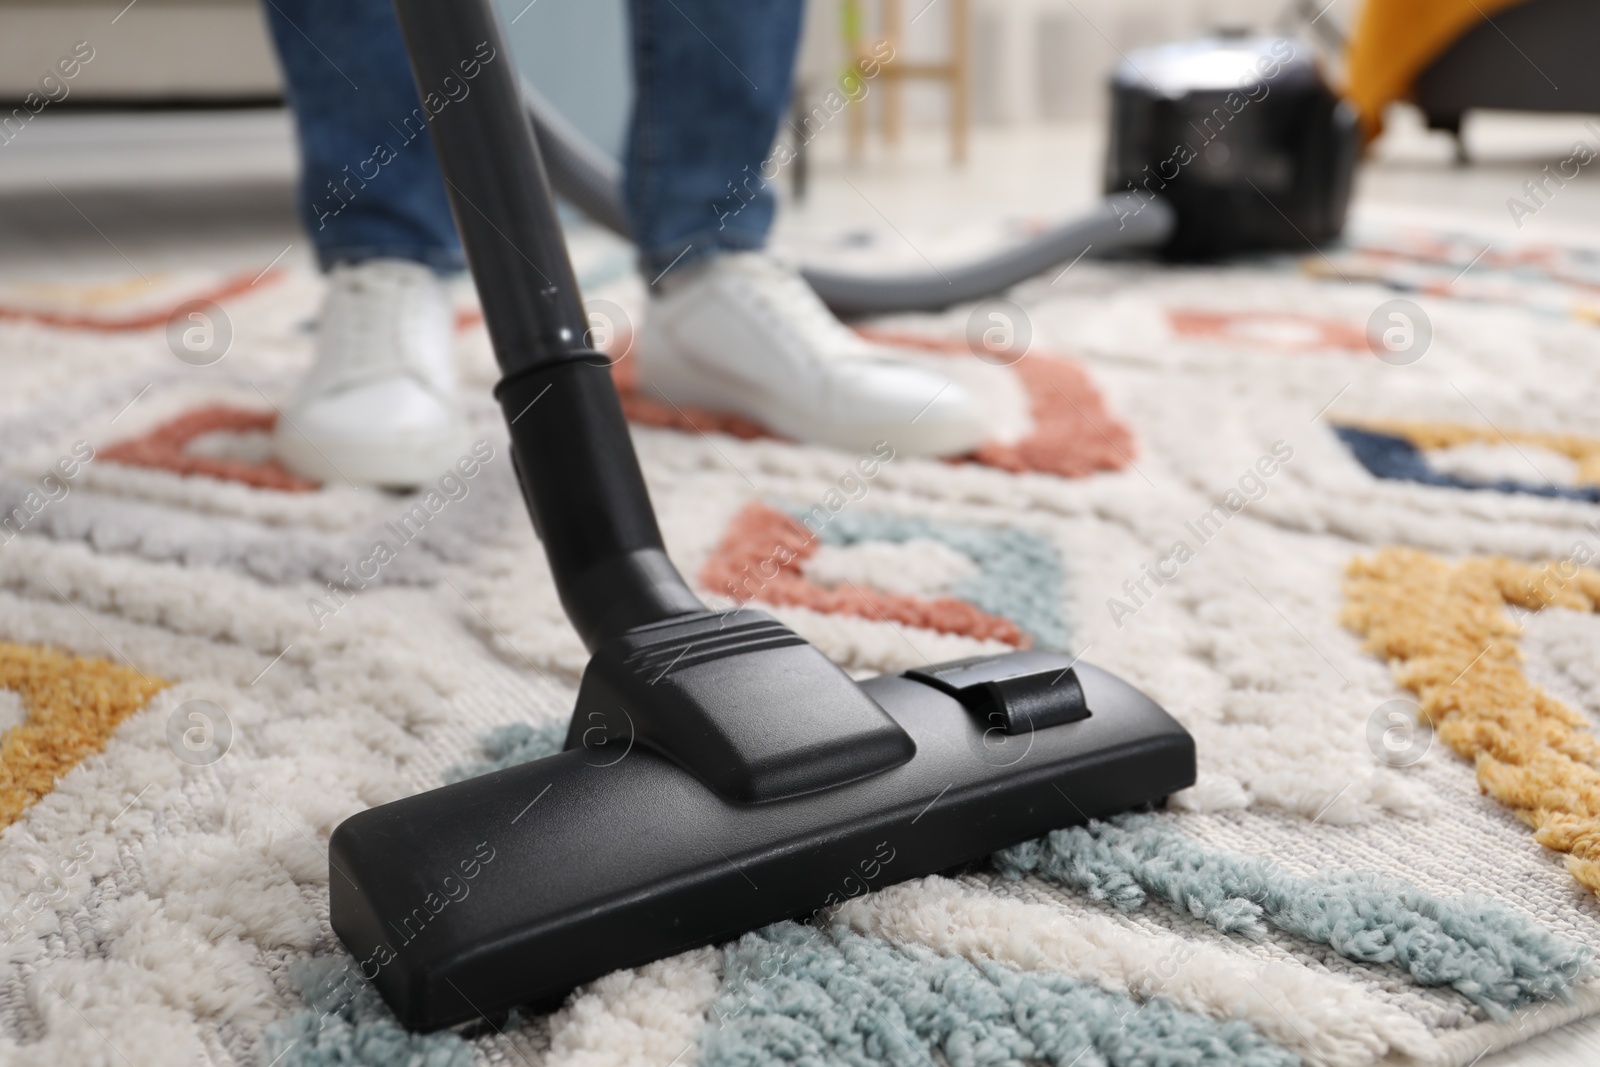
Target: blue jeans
(711, 80)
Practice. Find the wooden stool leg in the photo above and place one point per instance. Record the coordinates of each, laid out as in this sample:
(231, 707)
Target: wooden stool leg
(960, 77)
(893, 98)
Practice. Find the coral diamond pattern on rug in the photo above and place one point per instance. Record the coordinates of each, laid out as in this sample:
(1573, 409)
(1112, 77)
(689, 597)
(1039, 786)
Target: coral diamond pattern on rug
(167, 448)
(1073, 435)
(771, 556)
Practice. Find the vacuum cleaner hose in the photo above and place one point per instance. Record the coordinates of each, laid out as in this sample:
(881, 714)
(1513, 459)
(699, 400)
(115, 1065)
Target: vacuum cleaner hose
(1117, 224)
(592, 182)
(580, 173)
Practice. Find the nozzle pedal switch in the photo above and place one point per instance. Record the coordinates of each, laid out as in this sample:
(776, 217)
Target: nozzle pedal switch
(1018, 693)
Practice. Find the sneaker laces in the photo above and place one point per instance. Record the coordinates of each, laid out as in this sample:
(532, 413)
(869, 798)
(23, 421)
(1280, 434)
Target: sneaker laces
(373, 326)
(781, 297)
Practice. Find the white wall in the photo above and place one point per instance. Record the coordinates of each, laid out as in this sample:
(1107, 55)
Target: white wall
(576, 52)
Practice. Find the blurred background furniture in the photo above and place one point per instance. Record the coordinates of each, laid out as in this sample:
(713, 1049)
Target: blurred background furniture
(1536, 56)
(954, 71)
(158, 52)
(1450, 57)
(216, 54)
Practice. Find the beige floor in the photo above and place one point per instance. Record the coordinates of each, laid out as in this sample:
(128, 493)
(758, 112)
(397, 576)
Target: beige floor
(84, 196)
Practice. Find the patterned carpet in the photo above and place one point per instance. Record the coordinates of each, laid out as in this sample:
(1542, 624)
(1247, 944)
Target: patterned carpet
(1365, 580)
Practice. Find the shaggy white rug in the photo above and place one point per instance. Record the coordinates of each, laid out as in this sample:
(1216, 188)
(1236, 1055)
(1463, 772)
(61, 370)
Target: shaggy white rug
(1291, 543)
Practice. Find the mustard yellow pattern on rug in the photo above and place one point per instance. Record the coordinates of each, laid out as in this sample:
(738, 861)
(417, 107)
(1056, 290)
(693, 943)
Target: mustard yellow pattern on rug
(1430, 436)
(1446, 633)
(73, 705)
(86, 296)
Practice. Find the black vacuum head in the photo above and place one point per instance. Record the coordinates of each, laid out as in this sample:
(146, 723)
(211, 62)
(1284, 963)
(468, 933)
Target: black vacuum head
(521, 884)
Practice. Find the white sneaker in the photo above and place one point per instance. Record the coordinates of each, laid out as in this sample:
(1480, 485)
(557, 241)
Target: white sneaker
(746, 334)
(379, 404)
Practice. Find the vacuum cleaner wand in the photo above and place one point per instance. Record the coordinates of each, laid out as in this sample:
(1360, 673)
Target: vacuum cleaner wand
(575, 462)
(756, 781)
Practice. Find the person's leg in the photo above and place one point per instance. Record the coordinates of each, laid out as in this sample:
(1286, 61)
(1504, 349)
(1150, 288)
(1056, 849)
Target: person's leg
(731, 327)
(370, 187)
(711, 84)
(378, 405)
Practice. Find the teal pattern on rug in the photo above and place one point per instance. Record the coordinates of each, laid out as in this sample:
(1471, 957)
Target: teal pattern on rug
(794, 994)
(1020, 574)
(348, 1025)
(510, 745)
(1492, 955)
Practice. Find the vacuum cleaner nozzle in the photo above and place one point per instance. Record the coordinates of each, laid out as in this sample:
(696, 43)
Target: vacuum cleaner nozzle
(720, 773)
(741, 702)
(516, 886)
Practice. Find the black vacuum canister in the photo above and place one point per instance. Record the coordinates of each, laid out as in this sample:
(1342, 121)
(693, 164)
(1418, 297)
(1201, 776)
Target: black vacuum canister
(1242, 135)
